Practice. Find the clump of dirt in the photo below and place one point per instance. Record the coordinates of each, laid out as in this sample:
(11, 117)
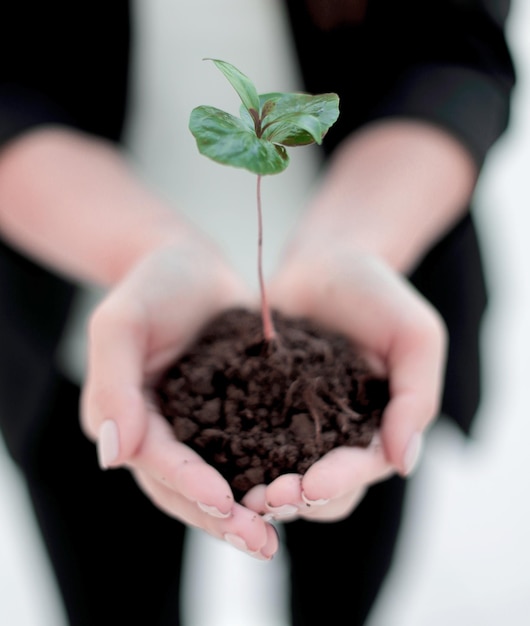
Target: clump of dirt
(256, 409)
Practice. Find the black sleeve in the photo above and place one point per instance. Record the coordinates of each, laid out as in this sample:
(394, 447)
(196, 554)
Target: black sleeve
(64, 62)
(443, 61)
(61, 62)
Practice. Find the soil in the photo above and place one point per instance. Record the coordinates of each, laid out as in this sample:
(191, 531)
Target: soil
(256, 409)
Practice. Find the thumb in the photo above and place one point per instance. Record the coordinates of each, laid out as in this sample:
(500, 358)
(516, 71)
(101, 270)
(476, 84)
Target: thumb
(417, 364)
(113, 406)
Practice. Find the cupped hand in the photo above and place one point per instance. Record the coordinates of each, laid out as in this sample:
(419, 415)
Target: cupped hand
(403, 338)
(144, 323)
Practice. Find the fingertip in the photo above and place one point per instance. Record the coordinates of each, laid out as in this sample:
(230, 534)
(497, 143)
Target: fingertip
(213, 511)
(224, 504)
(118, 418)
(309, 502)
(273, 543)
(412, 454)
(405, 419)
(286, 489)
(404, 452)
(108, 444)
(256, 499)
(201, 483)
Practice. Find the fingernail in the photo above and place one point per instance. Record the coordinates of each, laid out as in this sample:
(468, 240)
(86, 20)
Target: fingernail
(108, 445)
(375, 444)
(319, 502)
(240, 544)
(212, 510)
(266, 554)
(285, 510)
(413, 453)
(236, 541)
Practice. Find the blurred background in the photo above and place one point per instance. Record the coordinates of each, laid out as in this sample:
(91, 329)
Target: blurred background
(464, 553)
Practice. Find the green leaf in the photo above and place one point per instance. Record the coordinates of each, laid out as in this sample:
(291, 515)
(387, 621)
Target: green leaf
(227, 139)
(294, 119)
(241, 83)
(294, 130)
(268, 123)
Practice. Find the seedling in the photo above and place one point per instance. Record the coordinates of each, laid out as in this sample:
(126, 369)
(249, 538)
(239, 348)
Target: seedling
(257, 140)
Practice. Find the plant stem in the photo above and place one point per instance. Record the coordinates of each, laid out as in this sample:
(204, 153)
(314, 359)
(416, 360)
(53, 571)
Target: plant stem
(268, 326)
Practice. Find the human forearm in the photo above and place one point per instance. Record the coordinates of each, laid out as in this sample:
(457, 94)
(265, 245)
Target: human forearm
(72, 202)
(391, 190)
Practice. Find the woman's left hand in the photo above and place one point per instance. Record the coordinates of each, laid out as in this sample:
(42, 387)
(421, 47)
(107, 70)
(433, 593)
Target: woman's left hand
(401, 335)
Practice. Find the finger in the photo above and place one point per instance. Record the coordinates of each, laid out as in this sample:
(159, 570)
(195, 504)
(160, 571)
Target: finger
(113, 407)
(255, 499)
(329, 490)
(244, 529)
(342, 471)
(182, 470)
(280, 500)
(416, 363)
(259, 538)
(334, 510)
(321, 511)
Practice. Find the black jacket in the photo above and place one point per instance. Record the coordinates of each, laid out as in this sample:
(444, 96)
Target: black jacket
(442, 61)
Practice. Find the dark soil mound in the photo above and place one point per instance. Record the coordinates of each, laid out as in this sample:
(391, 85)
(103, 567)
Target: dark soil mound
(255, 410)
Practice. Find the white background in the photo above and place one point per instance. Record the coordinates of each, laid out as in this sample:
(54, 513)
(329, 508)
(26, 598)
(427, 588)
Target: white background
(464, 554)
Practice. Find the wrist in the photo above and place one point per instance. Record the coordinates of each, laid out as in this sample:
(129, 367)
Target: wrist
(72, 202)
(391, 190)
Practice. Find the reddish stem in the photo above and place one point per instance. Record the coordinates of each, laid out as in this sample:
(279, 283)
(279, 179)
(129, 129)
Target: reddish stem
(268, 326)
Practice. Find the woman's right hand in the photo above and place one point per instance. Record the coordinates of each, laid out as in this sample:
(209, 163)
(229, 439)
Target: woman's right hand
(143, 324)
(71, 201)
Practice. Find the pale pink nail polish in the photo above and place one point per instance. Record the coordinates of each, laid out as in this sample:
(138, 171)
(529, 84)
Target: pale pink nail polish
(240, 544)
(285, 510)
(108, 443)
(213, 510)
(319, 502)
(236, 541)
(413, 453)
